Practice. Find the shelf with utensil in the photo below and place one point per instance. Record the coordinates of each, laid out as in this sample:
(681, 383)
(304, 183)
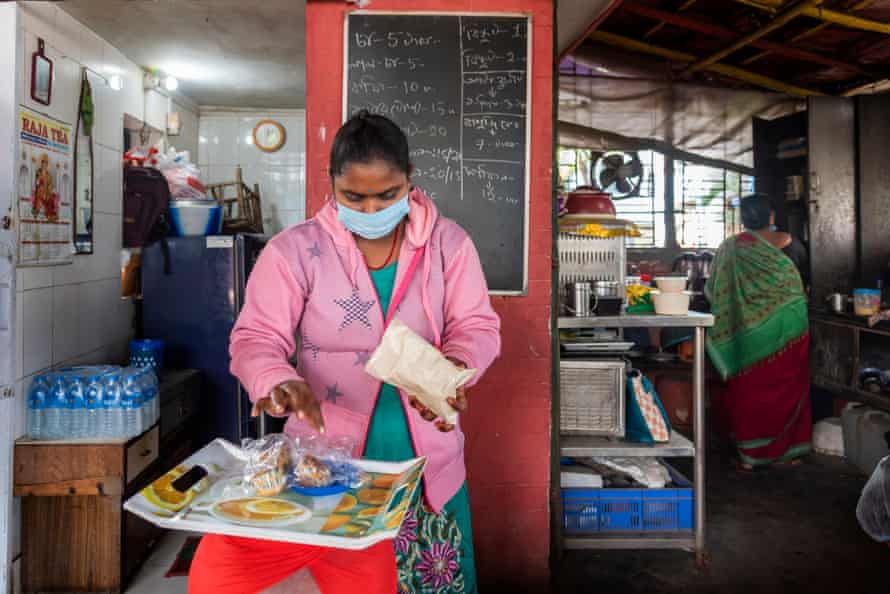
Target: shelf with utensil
(582, 446)
(679, 446)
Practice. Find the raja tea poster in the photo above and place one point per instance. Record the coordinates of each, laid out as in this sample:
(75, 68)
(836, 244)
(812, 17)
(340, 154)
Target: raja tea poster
(44, 188)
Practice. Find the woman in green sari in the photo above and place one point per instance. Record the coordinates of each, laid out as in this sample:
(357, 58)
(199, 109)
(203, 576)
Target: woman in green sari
(760, 341)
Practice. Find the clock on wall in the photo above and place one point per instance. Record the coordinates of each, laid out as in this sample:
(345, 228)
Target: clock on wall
(268, 135)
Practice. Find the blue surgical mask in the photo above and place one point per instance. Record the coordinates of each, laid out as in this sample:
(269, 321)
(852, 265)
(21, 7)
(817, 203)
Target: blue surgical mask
(375, 225)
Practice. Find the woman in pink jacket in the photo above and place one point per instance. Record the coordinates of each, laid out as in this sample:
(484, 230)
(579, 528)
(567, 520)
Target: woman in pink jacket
(322, 292)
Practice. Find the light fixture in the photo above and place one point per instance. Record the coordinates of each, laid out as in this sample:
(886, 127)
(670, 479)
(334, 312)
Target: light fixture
(170, 83)
(116, 82)
(174, 123)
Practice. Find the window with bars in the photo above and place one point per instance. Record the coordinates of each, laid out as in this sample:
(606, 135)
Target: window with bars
(705, 199)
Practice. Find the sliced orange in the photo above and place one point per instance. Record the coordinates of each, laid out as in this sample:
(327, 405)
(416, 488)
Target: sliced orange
(355, 529)
(336, 521)
(347, 503)
(162, 494)
(369, 512)
(373, 496)
(384, 481)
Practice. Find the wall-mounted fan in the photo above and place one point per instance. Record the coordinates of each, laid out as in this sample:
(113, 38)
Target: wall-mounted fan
(620, 173)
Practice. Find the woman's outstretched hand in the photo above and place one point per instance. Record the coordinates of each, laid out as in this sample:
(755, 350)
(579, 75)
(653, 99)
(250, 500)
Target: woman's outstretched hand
(295, 398)
(458, 403)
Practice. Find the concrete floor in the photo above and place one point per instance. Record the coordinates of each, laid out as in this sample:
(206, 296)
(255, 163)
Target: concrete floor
(785, 530)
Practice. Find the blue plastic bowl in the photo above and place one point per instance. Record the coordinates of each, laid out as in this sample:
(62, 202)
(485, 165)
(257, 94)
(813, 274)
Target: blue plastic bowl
(334, 489)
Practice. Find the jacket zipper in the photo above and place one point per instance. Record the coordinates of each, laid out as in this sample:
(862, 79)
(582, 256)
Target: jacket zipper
(402, 396)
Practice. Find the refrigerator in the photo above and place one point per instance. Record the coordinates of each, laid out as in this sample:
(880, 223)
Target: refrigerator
(192, 291)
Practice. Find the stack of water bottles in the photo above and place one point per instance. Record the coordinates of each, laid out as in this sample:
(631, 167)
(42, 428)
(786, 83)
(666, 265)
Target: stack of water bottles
(97, 402)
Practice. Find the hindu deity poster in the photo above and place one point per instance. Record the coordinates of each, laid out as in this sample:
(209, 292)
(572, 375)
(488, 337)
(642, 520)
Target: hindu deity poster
(44, 188)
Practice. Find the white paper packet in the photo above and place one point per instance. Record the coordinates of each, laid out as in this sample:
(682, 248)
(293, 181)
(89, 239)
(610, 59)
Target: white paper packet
(409, 362)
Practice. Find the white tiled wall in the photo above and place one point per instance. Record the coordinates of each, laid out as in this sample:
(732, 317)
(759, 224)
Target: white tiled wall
(72, 315)
(225, 141)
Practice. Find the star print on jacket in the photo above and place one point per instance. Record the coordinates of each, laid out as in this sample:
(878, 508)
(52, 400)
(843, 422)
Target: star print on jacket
(307, 345)
(355, 310)
(333, 394)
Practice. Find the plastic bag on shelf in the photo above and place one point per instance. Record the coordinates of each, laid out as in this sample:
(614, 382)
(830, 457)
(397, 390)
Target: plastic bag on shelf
(183, 176)
(646, 471)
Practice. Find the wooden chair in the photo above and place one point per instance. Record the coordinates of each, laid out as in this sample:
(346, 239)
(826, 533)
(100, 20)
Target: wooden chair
(242, 213)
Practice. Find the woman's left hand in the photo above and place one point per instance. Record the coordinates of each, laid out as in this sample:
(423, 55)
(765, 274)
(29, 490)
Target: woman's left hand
(458, 403)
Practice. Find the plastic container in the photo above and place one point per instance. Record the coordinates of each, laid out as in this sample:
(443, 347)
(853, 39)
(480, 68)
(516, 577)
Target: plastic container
(671, 284)
(630, 510)
(671, 304)
(866, 302)
(321, 499)
(196, 217)
(828, 437)
(866, 432)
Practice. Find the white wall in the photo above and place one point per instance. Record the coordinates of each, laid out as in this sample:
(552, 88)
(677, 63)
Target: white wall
(73, 314)
(9, 93)
(225, 141)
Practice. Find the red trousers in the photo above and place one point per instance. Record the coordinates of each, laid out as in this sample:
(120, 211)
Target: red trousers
(247, 566)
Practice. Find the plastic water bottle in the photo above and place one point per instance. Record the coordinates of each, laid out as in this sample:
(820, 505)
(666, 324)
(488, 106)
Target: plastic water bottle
(57, 410)
(77, 418)
(95, 408)
(140, 378)
(150, 392)
(38, 398)
(131, 403)
(113, 414)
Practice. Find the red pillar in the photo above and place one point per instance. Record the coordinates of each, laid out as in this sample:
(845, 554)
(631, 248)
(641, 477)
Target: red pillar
(508, 425)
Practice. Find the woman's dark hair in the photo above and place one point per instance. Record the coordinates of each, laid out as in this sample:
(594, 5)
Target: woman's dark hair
(367, 137)
(756, 210)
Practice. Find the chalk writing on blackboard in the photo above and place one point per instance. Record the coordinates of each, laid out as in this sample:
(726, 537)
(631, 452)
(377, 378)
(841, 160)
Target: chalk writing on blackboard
(458, 88)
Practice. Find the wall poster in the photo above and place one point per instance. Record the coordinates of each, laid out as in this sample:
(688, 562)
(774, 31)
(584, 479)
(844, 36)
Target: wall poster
(44, 187)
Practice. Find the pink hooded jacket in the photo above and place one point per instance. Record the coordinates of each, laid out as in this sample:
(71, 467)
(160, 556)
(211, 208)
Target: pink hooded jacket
(311, 281)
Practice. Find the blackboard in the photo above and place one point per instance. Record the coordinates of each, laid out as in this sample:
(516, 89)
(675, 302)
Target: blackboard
(458, 85)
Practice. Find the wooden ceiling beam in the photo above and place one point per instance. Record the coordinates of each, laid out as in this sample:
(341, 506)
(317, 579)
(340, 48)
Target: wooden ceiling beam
(691, 24)
(804, 34)
(833, 17)
(731, 71)
(661, 24)
(746, 40)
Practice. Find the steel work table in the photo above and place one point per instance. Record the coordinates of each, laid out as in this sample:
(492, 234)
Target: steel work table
(679, 446)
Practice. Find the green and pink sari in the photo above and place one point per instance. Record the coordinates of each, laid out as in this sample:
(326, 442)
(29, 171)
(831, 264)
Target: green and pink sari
(760, 345)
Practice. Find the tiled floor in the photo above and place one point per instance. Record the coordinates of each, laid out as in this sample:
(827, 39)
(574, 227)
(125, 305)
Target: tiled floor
(150, 579)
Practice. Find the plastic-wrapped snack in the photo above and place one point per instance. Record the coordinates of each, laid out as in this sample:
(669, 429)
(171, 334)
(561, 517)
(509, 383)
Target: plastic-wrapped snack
(312, 472)
(324, 460)
(268, 464)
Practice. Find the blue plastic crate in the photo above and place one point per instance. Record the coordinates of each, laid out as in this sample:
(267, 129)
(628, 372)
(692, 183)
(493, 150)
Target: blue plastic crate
(630, 510)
